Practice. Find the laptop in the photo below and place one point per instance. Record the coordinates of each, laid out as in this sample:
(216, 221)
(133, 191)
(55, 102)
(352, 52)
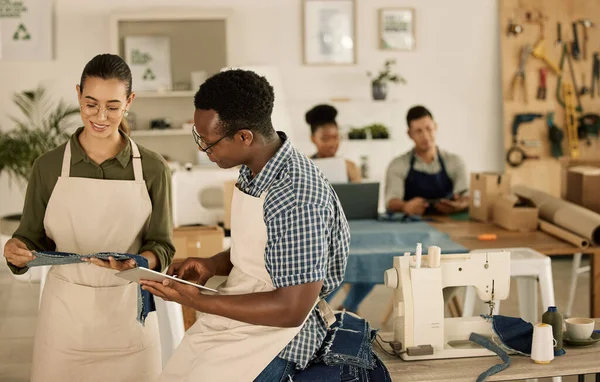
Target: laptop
(334, 169)
(359, 200)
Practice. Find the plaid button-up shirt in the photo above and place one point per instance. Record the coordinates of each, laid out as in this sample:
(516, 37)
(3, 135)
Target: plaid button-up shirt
(308, 235)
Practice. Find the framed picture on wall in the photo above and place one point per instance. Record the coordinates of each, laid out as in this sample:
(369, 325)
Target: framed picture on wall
(329, 32)
(149, 58)
(397, 29)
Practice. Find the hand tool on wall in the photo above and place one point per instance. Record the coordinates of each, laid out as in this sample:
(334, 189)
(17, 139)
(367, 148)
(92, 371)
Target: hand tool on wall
(558, 34)
(555, 135)
(541, 93)
(584, 90)
(589, 125)
(559, 88)
(513, 29)
(596, 75)
(537, 17)
(538, 52)
(519, 79)
(516, 155)
(572, 133)
(586, 24)
(575, 43)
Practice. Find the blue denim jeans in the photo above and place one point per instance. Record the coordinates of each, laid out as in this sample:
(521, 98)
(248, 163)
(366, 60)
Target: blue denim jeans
(358, 292)
(346, 354)
(145, 299)
(279, 370)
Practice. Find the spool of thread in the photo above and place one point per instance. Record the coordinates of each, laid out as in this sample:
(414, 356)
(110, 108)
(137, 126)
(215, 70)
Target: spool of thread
(434, 254)
(553, 318)
(542, 346)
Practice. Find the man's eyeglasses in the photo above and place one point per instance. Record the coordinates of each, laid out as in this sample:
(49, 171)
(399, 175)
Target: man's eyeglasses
(90, 110)
(206, 147)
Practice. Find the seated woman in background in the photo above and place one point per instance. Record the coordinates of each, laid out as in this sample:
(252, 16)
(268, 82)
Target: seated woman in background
(326, 136)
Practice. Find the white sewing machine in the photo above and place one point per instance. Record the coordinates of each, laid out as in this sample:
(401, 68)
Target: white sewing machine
(420, 329)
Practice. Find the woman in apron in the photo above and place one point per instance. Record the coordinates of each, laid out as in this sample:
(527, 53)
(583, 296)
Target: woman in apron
(325, 135)
(290, 242)
(99, 192)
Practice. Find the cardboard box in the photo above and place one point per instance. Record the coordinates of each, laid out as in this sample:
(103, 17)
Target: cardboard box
(197, 241)
(565, 164)
(515, 214)
(484, 190)
(583, 183)
(227, 198)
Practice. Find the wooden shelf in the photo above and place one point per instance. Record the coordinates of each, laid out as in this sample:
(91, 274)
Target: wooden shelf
(160, 133)
(167, 94)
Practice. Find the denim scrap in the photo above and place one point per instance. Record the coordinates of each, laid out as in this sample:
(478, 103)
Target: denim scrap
(515, 334)
(346, 354)
(145, 300)
(490, 345)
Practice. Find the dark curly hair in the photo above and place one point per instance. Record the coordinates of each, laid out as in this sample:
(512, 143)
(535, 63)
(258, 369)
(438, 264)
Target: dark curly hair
(241, 98)
(319, 116)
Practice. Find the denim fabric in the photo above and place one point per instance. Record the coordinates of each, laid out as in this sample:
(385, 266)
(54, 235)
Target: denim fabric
(347, 354)
(402, 217)
(279, 370)
(514, 333)
(357, 293)
(320, 372)
(145, 299)
(488, 344)
(374, 243)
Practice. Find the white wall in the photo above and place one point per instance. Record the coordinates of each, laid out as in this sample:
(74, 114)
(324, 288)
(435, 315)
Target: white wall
(454, 71)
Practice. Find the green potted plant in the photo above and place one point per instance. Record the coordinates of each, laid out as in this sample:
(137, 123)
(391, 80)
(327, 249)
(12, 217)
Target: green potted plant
(379, 83)
(378, 131)
(42, 129)
(357, 133)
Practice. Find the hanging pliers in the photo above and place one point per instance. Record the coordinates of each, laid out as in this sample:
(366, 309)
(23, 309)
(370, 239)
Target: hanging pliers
(520, 77)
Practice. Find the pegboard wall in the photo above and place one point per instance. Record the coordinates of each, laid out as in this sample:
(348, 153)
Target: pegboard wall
(530, 41)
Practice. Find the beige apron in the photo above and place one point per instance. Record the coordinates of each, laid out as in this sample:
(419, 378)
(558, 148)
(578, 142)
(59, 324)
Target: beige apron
(87, 328)
(216, 348)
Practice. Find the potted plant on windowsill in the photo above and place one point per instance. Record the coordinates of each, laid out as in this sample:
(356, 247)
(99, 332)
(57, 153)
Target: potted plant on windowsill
(357, 133)
(379, 83)
(378, 131)
(43, 128)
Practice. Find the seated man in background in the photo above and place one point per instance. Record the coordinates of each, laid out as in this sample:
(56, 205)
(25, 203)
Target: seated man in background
(425, 180)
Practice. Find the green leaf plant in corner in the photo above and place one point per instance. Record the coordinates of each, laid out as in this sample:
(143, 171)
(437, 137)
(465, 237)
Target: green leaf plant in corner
(42, 127)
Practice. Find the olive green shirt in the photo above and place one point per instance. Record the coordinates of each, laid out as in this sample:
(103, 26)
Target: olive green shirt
(47, 168)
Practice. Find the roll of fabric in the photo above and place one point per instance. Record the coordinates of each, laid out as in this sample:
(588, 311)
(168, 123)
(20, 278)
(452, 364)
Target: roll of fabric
(563, 234)
(569, 216)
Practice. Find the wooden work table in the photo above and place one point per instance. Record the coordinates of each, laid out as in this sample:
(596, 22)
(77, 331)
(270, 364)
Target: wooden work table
(578, 360)
(465, 233)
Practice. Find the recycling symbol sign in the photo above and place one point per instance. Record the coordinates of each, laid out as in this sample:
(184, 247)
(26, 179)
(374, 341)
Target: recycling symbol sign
(149, 75)
(21, 33)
